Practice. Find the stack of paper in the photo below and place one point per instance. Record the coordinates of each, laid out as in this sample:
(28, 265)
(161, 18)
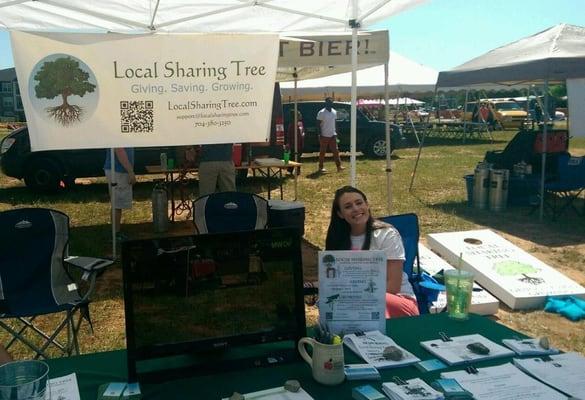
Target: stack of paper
(277, 393)
(454, 351)
(370, 347)
(414, 389)
(528, 347)
(268, 161)
(565, 372)
(354, 372)
(503, 382)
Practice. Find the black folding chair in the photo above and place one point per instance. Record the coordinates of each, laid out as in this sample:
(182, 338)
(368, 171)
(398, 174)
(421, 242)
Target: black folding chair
(230, 212)
(37, 277)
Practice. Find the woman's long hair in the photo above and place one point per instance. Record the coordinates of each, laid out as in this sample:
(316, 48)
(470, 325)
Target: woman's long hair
(339, 231)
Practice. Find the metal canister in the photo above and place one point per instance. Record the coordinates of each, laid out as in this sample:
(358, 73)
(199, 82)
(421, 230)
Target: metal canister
(481, 184)
(160, 211)
(498, 196)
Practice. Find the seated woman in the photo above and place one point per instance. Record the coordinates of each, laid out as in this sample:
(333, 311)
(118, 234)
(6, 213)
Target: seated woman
(353, 228)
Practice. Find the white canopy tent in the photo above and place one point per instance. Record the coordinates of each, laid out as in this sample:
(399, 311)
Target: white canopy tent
(553, 55)
(407, 76)
(143, 16)
(393, 102)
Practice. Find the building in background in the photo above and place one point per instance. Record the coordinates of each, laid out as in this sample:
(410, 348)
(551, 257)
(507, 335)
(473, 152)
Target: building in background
(10, 101)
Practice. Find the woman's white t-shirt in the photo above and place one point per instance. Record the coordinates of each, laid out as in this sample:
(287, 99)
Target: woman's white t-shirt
(388, 240)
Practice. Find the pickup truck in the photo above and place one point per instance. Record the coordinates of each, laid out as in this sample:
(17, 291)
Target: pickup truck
(48, 170)
(370, 137)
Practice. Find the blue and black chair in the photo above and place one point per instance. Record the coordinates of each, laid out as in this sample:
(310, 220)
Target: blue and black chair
(38, 277)
(568, 186)
(425, 288)
(230, 212)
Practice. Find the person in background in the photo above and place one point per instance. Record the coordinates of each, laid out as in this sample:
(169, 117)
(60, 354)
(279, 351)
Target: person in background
(484, 112)
(216, 169)
(120, 183)
(290, 136)
(328, 134)
(352, 228)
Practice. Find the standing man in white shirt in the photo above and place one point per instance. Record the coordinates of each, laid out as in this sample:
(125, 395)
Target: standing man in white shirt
(328, 135)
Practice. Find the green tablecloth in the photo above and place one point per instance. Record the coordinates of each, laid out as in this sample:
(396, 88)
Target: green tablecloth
(95, 369)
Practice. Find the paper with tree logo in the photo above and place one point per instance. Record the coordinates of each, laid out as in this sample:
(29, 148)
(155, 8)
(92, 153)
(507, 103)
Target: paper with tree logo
(352, 290)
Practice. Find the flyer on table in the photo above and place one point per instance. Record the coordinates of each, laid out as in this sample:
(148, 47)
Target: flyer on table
(113, 90)
(352, 290)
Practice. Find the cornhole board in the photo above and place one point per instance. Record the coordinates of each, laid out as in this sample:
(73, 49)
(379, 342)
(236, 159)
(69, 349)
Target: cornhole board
(482, 302)
(515, 277)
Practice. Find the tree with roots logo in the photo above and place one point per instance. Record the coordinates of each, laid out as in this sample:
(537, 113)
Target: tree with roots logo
(63, 77)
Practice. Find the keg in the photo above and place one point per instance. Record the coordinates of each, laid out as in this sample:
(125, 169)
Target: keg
(498, 196)
(481, 182)
(160, 212)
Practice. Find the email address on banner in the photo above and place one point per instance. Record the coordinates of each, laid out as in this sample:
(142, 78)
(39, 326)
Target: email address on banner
(213, 115)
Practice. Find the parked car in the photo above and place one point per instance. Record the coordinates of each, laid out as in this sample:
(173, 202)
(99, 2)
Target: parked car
(370, 137)
(47, 170)
(508, 113)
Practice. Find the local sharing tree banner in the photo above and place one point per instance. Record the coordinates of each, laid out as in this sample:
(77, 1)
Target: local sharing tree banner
(110, 90)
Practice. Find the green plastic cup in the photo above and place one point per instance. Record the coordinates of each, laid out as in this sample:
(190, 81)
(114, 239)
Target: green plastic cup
(459, 286)
(286, 157)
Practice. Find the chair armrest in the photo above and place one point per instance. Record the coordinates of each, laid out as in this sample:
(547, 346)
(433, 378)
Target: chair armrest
(88, 264)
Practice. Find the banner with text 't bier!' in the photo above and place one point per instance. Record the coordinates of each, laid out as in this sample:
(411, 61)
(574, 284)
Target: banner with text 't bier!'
(101, 91)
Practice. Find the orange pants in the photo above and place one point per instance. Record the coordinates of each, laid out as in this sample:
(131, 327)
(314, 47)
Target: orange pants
(399, 305)
(331, 144)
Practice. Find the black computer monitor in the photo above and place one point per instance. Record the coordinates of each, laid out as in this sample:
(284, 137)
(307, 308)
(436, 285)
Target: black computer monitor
(214, 301)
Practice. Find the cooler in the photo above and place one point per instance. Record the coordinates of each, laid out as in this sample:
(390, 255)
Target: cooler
(285, 214)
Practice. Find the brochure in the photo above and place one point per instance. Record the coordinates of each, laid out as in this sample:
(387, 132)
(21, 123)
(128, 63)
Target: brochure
(370, 347)
(413, 389)
(565, 372)
(354, 372)
(529, 347)
(277, 393)
(457, 350)
(64, 388)
(352, 291)
(503, 382)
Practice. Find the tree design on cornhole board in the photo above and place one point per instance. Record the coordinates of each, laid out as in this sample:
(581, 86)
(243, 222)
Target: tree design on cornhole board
(63, 77)
(516, 268)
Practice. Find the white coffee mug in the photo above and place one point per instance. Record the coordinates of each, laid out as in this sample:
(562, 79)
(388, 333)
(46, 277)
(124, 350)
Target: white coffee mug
(327, 361)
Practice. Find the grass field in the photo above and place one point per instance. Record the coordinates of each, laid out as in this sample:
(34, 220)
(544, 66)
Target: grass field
(438, 197)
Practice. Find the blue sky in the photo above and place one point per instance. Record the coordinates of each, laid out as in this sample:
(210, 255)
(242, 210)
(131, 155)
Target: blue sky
(445, 33)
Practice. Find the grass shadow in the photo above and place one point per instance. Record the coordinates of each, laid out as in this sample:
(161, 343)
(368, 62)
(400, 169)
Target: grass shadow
(523, 222)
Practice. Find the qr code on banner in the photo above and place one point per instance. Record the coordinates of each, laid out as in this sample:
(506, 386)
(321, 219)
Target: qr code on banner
(136, 116)
(375, 315)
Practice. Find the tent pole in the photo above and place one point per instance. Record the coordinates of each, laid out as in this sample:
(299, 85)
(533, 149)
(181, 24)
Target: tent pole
(113, 199)
(354, 30)
(421, 144)
(464, 110)
(544, 149)
(410, 119)
(295, 129)
(388, 144)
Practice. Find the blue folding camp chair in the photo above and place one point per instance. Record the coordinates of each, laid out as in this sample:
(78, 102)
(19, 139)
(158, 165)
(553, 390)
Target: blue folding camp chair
(570, 183)
(37, 278)
(230, 212)
(407, 226)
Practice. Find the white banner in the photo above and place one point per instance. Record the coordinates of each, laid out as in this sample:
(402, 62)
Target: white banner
(101, 91)
(576, 100)
(373, 49)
